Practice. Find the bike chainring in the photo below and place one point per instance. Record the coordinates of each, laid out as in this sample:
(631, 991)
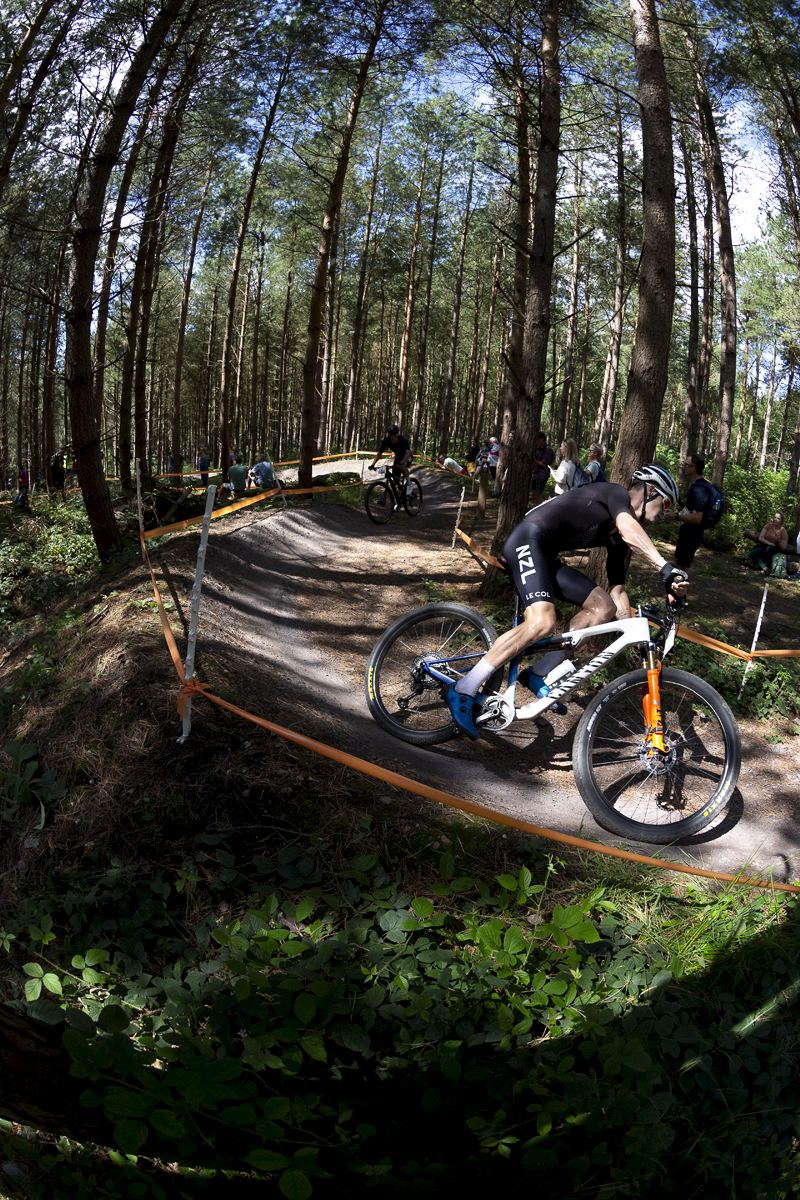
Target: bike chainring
(496, 712)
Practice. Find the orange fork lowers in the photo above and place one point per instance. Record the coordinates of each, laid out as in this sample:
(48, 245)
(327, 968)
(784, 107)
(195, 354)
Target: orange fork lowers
(651, 703)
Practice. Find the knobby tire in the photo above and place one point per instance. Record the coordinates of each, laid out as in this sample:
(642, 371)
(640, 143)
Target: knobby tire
(402, 698)
(636, 796)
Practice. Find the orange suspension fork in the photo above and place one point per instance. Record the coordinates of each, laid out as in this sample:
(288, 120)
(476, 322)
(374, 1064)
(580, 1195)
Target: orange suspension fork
(651, 703)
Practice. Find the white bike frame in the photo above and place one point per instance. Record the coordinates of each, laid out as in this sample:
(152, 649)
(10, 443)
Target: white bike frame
(633, 631)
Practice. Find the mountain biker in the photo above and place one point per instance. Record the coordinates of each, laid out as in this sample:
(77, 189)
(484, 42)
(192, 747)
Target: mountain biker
(401, 449)
(606, 514)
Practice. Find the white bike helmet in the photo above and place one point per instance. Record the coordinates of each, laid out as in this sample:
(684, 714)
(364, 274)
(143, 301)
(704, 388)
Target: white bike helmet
(661, 480)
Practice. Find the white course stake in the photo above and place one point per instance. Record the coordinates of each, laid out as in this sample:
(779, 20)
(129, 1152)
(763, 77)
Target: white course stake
(458, 518)
(749, 662)
(139, 505)
(195, 612)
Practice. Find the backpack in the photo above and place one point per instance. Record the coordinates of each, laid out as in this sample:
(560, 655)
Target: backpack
(778, 566)
(580, 478)
(714, 507)
(600, 477)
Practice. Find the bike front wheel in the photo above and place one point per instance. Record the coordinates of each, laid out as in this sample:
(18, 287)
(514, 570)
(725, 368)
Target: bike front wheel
(657, 798)
(402, 697)
(413, 499)
(379, 502)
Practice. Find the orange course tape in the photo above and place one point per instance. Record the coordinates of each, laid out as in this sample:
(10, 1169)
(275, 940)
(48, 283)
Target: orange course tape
(194, 688)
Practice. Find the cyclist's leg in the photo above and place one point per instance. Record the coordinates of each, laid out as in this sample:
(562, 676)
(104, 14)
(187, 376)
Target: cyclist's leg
(532, 573)
(595, 607)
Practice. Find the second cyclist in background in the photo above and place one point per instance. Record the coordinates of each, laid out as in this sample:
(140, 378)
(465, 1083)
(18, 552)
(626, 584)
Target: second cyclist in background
(400, 448)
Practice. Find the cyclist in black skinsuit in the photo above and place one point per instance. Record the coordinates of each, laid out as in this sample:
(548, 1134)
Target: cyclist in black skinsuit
(604, 514)
(400, 447)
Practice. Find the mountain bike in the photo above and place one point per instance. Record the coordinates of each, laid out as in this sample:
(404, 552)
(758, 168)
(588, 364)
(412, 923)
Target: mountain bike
(656, 754)
(386, 495)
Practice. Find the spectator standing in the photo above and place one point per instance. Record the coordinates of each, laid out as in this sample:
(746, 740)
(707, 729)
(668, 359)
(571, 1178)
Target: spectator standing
(570, 459)
(57, 470)
(594, 466)
(494, 455)
(542, 461)
(691, 516)
(472, 456)
(203, 463)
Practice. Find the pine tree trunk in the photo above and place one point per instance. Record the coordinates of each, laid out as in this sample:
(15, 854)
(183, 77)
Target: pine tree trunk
(179, 351)
(514, 497)
(770, 398)
(647, 376)
(691, 416)
(444, 428)
(422, 357)
(233, 285)
(608, 396)
(84, 418)
(572, 316)
(310, 411)
(408, 313)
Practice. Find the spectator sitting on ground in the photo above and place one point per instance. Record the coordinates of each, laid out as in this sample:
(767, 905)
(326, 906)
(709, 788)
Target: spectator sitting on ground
(262, 474)
(772, 539)
(450, 464)
(238, 475)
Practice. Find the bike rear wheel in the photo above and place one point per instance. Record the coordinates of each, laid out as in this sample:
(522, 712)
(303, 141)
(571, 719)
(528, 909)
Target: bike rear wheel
(402, 697)
(635, 794)
(413, 500)
(379, 502)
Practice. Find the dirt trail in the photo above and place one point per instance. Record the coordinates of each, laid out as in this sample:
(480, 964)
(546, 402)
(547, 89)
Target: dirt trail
(302, 596)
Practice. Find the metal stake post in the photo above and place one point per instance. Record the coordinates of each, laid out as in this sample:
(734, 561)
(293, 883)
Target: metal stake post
(458, 517)
(749, 663)
(139, 505)
(195, 611)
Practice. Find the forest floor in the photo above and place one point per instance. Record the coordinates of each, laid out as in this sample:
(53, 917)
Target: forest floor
(92, 684)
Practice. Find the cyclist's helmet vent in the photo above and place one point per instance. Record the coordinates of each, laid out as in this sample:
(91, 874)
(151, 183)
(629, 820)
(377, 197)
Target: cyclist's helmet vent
(661, 480)
(393, 429)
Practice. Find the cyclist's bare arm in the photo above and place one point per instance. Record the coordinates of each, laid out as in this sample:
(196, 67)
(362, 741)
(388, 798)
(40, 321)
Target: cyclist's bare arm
(634, 536)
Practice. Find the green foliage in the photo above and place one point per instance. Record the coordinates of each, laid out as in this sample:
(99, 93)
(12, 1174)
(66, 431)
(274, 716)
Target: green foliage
(21, 785)
(773, 685)
(36, 564)
(559, 1041)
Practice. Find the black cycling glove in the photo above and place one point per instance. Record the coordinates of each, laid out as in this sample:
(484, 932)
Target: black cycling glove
(672, 575)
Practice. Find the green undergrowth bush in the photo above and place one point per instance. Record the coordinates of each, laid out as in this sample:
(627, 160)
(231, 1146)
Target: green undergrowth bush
(334, 1028)
(42, 553)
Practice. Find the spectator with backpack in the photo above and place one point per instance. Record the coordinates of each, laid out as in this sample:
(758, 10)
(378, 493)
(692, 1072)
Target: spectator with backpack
(594, 467)
(703, 510)
(569, 474)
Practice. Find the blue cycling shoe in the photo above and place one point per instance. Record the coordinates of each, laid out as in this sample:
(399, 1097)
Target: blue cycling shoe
(536, 684)
(461, 707)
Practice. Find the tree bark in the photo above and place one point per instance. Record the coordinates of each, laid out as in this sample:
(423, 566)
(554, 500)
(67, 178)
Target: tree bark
(422, 356)
(233, 286)
(444, 428)
(408, 313)
(179, 350)
(691, 415)
(84, 417)
(727, 369)
(358, 314)
(310, 410)
(572, 316)
(514, 497)
(647, 375)
(20, 55)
